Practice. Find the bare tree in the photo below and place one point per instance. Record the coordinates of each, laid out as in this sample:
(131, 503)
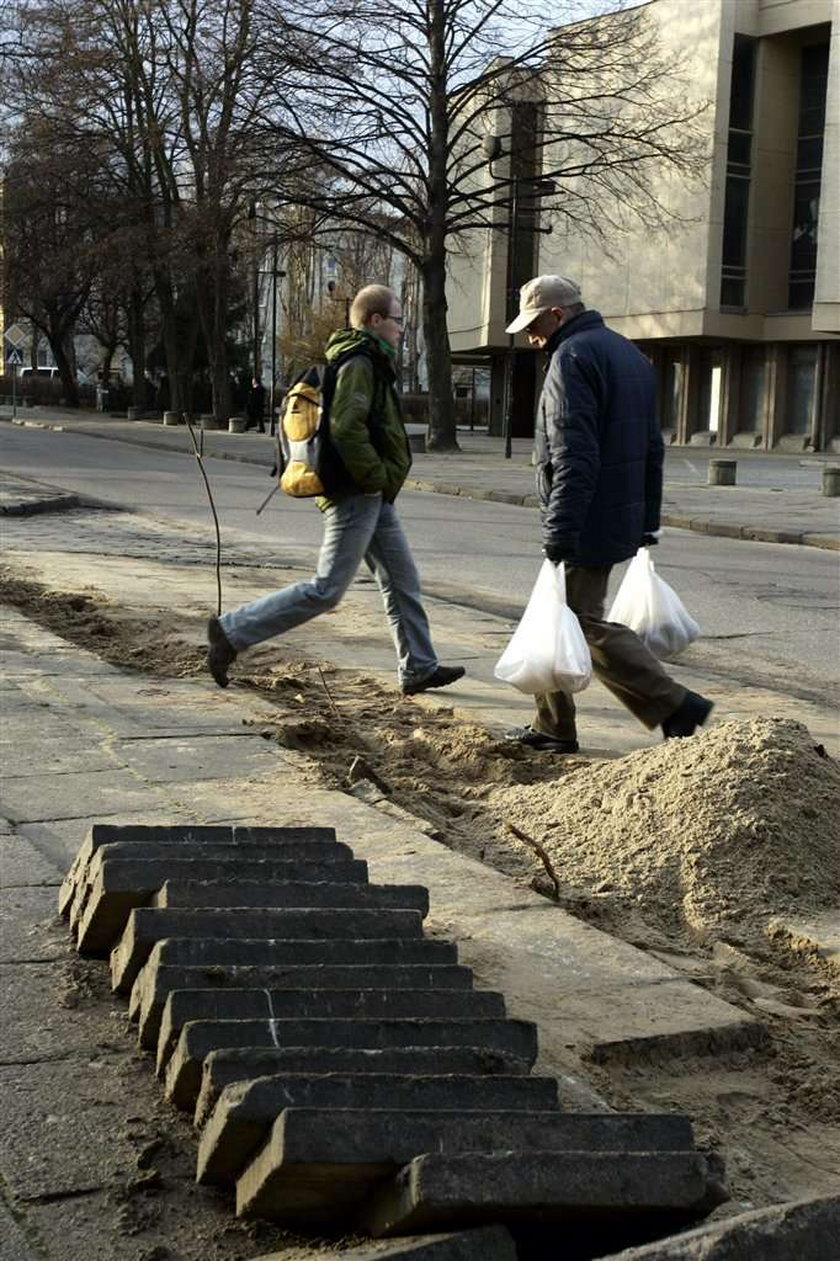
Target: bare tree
(393, 104)
(163, 93)
(49, 259)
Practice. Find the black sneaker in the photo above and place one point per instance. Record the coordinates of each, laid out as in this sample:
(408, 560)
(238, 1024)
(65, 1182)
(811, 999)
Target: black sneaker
(688, 716)
(221, 653)
(442, 676)
(540, 741)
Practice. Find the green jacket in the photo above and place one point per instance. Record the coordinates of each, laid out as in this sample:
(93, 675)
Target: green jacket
(372, 442)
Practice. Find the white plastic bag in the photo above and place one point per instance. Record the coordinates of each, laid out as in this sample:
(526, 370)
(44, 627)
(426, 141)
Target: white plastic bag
(547, 652)
(652, 609)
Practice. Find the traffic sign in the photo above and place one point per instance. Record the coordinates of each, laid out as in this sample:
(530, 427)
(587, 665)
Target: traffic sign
(16, 336)
(14, 357)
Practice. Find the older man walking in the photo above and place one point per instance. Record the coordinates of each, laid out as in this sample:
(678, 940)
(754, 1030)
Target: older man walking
(360, 521)
(599, 458)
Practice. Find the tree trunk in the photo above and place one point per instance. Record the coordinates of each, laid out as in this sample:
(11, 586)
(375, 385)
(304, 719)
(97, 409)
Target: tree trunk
(178, 350)
(443, 434)
(65, 368)
(137, 348)
(169, 337)
(216, 341)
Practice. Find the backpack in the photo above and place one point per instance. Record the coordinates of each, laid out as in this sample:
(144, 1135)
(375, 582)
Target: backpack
(308, 462)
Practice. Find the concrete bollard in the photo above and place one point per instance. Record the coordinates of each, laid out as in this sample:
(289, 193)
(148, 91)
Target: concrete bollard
(721, 473)
(236, 424)
(172, 418)
(417, 442)
(208, 421)
(831, 479)
(135, 413)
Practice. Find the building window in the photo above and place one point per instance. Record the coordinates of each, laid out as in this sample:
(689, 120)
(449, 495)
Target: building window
(524, 132)
(733, 281)
(801, 386)
(710, 380)
(753, 390)
(672, 391)
(806, 191)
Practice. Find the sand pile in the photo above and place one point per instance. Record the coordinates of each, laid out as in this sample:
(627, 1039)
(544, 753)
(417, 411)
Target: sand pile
(717, 833)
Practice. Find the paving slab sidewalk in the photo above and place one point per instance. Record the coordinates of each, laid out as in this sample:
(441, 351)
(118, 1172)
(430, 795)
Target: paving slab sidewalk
(143, 565)
(783, 514)
(603, 991)
(592, 996)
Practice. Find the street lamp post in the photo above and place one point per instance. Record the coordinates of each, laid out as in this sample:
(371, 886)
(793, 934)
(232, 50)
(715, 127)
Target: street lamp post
(273, 385)
(335, 297)
(276, 274)
(537, 187)
(256, 305)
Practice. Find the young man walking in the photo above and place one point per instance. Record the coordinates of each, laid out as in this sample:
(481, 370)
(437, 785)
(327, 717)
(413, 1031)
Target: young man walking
(360, 523)
(599, 459)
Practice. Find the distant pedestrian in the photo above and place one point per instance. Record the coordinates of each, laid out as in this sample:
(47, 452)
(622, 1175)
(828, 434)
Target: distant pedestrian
(255, 406)
(599, 458)
(361, 523)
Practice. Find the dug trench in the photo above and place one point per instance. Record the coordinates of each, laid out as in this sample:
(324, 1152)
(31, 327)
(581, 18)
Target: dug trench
(694, 850)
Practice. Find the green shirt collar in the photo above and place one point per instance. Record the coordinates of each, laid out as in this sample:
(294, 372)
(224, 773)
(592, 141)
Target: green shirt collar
(390, 350)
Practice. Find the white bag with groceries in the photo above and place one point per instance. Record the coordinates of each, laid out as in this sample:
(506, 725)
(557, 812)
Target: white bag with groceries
(652, 609)
(547, 652)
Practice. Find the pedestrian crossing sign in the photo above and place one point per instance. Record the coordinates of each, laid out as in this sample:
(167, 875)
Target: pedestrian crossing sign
(14, 357)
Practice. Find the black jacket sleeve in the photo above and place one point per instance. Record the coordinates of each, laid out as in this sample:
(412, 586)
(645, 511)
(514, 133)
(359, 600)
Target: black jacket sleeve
(653, 477)
(571, 417)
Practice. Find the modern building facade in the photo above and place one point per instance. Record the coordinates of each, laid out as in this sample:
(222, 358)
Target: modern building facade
(737, 302)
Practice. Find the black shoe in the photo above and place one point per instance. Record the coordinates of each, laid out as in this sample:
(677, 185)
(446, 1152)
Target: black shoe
(540, 741)
(690, 715)
(221, 653)
(442, 676)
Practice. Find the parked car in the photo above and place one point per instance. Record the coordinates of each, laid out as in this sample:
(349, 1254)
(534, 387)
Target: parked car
(48, 374)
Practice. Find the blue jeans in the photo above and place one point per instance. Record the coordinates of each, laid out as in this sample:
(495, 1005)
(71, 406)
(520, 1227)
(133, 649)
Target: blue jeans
(358, 528)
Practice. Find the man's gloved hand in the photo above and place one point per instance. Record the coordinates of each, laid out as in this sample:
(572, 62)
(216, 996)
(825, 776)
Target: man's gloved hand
(557, 552)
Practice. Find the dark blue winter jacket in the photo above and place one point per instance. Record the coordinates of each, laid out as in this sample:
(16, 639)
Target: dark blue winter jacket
(599, 448)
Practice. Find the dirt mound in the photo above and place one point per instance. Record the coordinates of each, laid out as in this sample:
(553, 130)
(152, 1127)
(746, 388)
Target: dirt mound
(716, 834)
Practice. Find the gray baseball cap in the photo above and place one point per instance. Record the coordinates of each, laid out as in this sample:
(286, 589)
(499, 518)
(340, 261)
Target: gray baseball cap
(541, 294)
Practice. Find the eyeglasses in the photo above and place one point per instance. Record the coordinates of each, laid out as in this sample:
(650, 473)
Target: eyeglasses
(397, 319)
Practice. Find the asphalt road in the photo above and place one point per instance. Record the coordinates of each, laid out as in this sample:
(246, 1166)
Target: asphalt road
(768, 612)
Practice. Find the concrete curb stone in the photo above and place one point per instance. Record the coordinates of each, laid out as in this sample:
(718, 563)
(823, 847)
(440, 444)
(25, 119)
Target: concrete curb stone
(296, 893)
(276, 1006)
(152, 987)
(224, 1067)
(804, 1230)
(444, 1191)
(318, 1164)
(114, 887)
(182, 835)
(147, 925)
(74, 890)
(233, 951)
(513, 1041)
(245, 1111)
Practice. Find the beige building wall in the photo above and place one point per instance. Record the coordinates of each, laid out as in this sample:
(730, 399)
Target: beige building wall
(826, 318)
(477, 265)
(774, 17)
(654, 282)
(662, 286)
(666, 282)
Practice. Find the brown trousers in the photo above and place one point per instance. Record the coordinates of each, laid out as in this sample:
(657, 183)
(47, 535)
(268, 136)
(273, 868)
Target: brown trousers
(619, 659)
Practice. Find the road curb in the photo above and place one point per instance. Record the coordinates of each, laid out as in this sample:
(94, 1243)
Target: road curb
(675, 521)
(24, 507)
